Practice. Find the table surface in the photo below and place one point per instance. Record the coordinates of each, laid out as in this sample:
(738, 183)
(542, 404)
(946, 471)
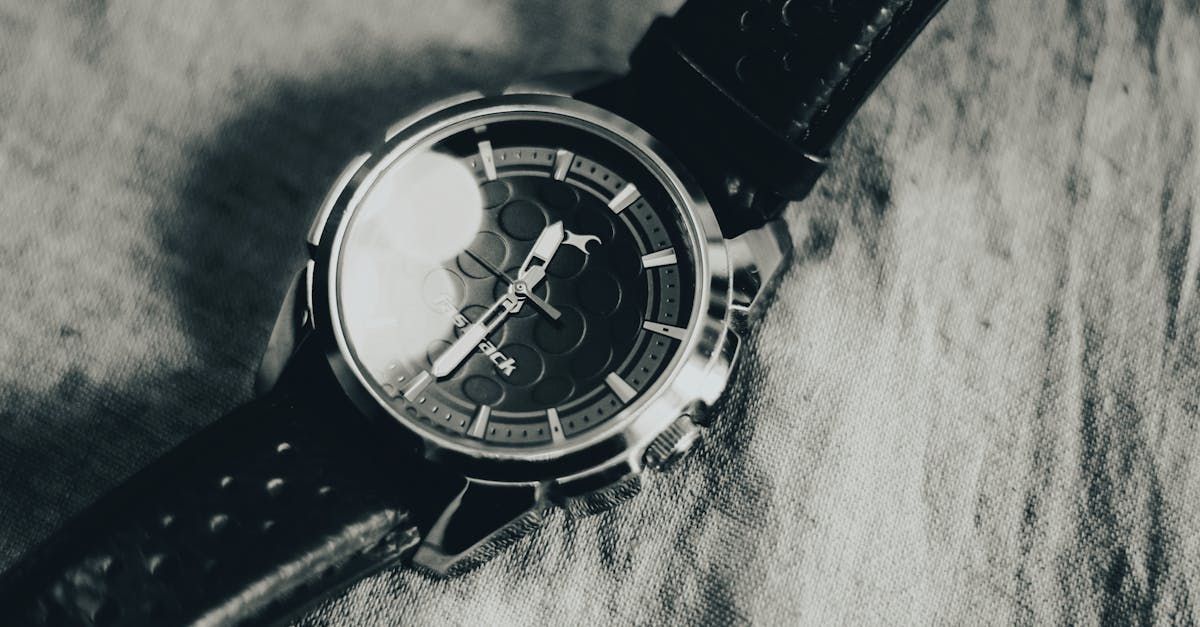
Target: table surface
(975, 398)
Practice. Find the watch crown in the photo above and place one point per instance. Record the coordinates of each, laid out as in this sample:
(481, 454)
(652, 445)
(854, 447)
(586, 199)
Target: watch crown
(673, 443)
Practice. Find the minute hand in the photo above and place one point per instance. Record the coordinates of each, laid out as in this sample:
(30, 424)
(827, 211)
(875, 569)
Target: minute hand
(541, 254)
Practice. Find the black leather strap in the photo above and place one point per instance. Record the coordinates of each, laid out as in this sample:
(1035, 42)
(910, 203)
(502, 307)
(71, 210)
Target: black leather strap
(283, 499)
(753, 93)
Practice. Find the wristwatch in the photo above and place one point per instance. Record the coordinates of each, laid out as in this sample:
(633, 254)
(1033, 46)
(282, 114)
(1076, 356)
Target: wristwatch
(515, 302)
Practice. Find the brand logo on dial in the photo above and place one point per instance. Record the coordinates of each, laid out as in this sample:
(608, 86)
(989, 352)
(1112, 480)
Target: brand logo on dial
(580, 241)
(505, 364)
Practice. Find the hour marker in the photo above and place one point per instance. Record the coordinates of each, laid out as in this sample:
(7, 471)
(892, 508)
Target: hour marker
(481, 421)
(623, 390)
(489, 159)
(556, 432)
(664, 257)
(627, 196)
(665, 329)
(562, 163)
(418, 385)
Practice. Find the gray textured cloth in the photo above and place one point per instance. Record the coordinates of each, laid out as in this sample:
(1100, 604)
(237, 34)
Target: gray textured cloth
(975, 399)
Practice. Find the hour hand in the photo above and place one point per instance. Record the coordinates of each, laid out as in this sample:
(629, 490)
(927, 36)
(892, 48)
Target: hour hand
(461, 348)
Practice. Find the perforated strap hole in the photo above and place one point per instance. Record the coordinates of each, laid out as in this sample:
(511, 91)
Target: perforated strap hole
(110, 566)
(218, 523)
(162, 566)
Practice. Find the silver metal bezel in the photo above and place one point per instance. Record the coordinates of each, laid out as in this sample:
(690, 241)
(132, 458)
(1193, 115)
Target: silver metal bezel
(692, 375)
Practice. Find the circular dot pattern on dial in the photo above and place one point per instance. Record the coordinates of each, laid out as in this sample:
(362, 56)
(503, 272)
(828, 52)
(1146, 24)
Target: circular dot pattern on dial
(482, 390)
(558, 337)
(599, 294)
(553, 390)
(559, 195)
(522, 219)
(495, 193)
(487, 246)
(530, 361)
(442, 285)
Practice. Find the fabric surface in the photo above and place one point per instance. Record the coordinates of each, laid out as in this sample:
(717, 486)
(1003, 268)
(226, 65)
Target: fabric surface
(974, 400)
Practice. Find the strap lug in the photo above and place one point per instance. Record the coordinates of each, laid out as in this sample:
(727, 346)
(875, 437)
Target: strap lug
(599, 490)
(292, 325)
(758, 257)
(483, 520)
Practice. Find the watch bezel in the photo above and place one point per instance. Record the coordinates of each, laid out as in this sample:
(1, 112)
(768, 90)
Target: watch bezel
(677, 391)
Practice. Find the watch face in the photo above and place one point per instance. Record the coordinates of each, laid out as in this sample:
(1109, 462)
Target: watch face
(515, 280)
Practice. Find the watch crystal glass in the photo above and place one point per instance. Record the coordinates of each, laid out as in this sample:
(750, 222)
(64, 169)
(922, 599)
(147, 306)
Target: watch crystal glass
(515, 280)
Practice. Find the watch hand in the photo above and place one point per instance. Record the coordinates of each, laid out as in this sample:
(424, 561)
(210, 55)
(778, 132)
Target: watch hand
(458, 351)
(529, 280)
(538, 301)
(543, 251)
(476, 333)
(532, 272)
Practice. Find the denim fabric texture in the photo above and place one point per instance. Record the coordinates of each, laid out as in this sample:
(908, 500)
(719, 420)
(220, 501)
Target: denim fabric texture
(974, 399)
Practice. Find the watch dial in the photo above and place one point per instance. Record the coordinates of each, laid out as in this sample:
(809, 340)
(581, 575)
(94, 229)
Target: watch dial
(515, 282)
